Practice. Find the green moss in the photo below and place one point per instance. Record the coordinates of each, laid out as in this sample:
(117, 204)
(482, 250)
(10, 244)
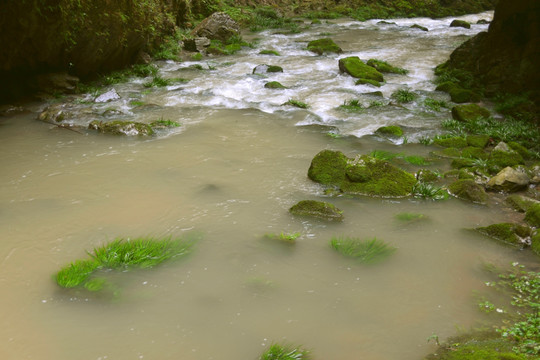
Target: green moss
(353, 66)
(520, 149)
(297, 103)
(364, 251)
(119, 127)
(274, 69)
(501, 159)
(285, 352)
(410, 217)
(269, 52)
(460, 23)
(384, 67)
(197, 57)
(447, 153)
(520, 203)
(420, 27)
(274, 85)
(367, 82)
(451, 142)
(390, 131)
(509, 233)
(468, 190)
(446, 86)
(479, 141)
(328, 167)
(164, 123)
(318, 209)
(461, 163)
(322, 46)
(469, 112)
(535, 243)
(532, 215)
(459, 95)
(427, 176)
(474, 153)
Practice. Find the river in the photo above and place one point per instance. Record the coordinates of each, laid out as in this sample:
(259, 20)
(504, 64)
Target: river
(230, 173)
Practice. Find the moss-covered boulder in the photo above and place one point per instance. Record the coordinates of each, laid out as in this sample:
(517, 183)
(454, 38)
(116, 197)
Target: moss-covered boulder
(460, 95)
(265, 68)
(468, 190)
(460, 23)
(474, 153)
(508, 180)
(532, 215)
(355, 67)
(479, 141)
(520, 149)
(448, 153)
(367, 82)
(318, 209)
(391, 131)
(460, 163)
(384, 67)
(364, 175)
(535, 243)
(500, 159)
(427, 176)
(469, 112)
(520, 203)
(274, 85)
(55, 113)
(419, 27)
(451, 142)
(322, 46)
(509, 233)
(118, 127)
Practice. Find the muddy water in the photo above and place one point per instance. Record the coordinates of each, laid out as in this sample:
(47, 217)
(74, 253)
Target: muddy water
(229, 175)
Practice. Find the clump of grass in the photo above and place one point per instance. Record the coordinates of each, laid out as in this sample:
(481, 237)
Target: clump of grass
(297, 103)
(285, 352)
(121, 254)
(435, 105)
(410, 217)
(383, 155)
(416, 160)
(269, 52)
(144, 70)
(425, 140)
(285, 237)
(364, 251)
(429, 191)
(404, 96)
(197, 56)
(164, 123)
(157, 81)
(375, 104)
(389, 156)
(170, 48)
(352, 105)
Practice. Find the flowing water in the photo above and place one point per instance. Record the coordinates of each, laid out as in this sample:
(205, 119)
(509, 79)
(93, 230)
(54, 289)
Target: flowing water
(230, 173)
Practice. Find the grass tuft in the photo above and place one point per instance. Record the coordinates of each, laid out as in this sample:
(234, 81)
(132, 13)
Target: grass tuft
(429, 191)
(364, 251)
(287, 238)
(285, 352)
(403, 96)
(297, 103)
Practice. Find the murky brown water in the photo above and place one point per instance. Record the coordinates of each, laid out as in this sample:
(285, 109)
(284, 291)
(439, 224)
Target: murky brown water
(230, 175)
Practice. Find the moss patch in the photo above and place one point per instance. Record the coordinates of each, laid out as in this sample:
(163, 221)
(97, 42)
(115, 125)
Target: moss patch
(119, 127)
(532, 215)
(469, 112)
(393, 131)
(509, 233)
(468, 190)
(318, 209)
(322, 46)
(384, 67)
(355, 67)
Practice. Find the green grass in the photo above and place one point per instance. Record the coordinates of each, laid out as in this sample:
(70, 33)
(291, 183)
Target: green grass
(435, 105)
(164, 123)
(410, 217)
(285, 352)
(157, 81)
(364, 251)
(416, 160)
(403, 96)
(121, 254)
(352, 105)
(383, 155)
(429, 191)
(269, 52)
(285, 237)
(297, 103)
(389, 156)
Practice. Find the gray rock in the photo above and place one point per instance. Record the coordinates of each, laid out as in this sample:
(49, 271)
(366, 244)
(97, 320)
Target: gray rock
(218, 26)
(62, 82)
(108, 96)
(508, 180)
(502, 146)
(198, 44)
(54, 114)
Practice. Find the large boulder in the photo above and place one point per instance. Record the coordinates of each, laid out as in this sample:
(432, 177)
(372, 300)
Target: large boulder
(508, 180)
(469, 112)
(355, 67)
(218, 26)
(363, 175)
(469, 190)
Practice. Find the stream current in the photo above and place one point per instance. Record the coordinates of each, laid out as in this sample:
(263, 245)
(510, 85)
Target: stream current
(230, 173)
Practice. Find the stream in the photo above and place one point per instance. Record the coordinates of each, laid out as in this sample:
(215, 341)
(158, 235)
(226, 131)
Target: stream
(229, 174)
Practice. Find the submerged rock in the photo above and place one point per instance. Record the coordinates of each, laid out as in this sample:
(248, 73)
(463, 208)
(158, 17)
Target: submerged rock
(54, 114)
(509, 233)
(318, 209)
(532, 215)
(508, 180)
(355, 67)
(218, 26)
(460, 23)
(364, 175)
(392, 131)
(420, 27)
(469, 112)
(108, 96)
(469, 190)
(274, 85)
(521, 203)
(118, 127)
(264, 68)
(322, 46)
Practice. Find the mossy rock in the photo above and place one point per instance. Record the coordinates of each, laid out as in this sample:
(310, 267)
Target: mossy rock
(384, 67)
(392, 131)
(427, 176)
(460, 23)
(520, 149)
(468, 190)
(521, 203)
(535, 243)
(452, 142)
(274, 85)
(469, 112)
(318, 209)
(508, 180)
(448, 153)
(322, 46)
(532, 215)
(465, 173)
(474, 153)
(419, 27)
(479, 141)
(269, 52)
(509, 233)
(367, 82)
(364, 175)
(501, 159)
(462, 163)
(459, 95)
(355, 67)
(446, 86)
(265, 68)
(118, 127)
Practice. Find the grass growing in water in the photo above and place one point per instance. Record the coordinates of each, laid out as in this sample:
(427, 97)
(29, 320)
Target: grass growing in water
(403, 96)
(157, 81)
(352, 105)
(435, 105)
(288, 238)
(120, 254)
(409, 217)
(297, 103)
(164, 123)
(364, 251)
(429, 191)
(285, 352)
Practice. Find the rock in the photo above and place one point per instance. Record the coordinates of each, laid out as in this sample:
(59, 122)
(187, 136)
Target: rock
(420, 27)
(367, 82)
(520, 203)
(532, 215)
(508, 180)
(58, 82)
(364, 175)
(392, 131)
(468, 190)
(355, 67)
(218, 26)
(118, 127)
(534, 172)
(142, 58)
(535, 243)
(509, 233)
(274, 85)
(318, 209)
(264, 68)
(54, 114)
(483, 22)
(108, 96)
(502, 146)
(469, 112)
(198, 44)
(459, 95)
(460, 23)
(500, 159)
(452, 142)
(384, 67)
(322, 46)
(478, 141)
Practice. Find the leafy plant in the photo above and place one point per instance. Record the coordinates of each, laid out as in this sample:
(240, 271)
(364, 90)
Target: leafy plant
(409, 217)
(288, 238)
(297, 103)
(157, 81)
(285, 352)
(403, 96)
(429, 191)
(164, 123)
(435, 105)
(352, 105)
(364, 251)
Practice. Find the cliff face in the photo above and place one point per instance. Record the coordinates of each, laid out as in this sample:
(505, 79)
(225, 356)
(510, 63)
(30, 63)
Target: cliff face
(507, 57)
